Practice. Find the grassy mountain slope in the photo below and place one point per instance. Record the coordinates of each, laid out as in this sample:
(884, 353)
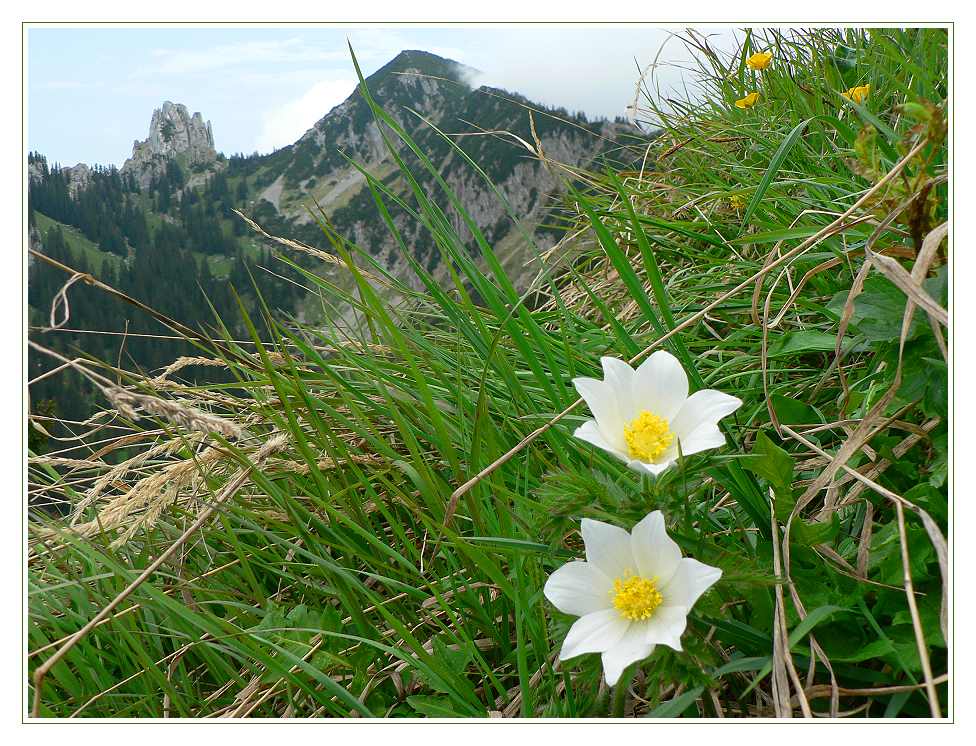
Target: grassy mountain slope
(361, 522)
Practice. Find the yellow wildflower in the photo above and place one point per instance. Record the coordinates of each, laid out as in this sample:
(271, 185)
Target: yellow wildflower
(760, 60)
(858, 93)
(748, 102)
(737, 202)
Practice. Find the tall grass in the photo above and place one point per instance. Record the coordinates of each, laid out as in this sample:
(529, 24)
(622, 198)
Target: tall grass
(343, 570)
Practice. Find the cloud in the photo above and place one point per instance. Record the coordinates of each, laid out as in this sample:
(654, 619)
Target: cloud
(264, 88)
(67, 85)
(370, 45)
(185, 61)
(286, 123)
(380, 45)
(594, 70)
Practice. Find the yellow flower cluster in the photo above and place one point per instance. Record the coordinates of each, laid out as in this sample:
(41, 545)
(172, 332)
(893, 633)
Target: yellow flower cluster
(759, 61)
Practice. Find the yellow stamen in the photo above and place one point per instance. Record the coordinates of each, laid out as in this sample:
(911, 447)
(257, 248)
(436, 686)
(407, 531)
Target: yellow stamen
(636, 597)
(648, 437)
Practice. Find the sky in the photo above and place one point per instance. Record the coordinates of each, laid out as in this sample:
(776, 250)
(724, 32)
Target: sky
(91, 91)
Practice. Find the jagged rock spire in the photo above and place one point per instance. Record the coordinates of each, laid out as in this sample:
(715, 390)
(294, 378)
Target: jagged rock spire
(172, 133)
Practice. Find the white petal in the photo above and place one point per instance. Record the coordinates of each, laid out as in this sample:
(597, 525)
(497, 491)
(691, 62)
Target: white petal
(594, 633)
(579, 588)
(690, 580)
(666, 626)
(701, 439)
(652, 469)
(620, 377)
(601, 398)
(655, 552)
(591, 433)
(608, 547)
(631, 648)
(660, 385)
(707, 406)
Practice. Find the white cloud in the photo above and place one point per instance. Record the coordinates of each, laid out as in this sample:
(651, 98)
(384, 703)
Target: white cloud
(266, 90)
(67, 85)
(379, 46)
(183, 61)
(594, 70)
(370, 45)
(286, 123)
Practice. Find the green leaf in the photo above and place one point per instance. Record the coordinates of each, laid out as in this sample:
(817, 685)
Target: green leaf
(801, 630)
(874, 649)
(772, 463)
(811, 533)
(936, 402)
(811, 620)
(674, 707)
(750, 663)
(939, 469)
(774, 164)
(452, 660)
(433, 706)
(880, 307)
(804, 340)
(792, 412)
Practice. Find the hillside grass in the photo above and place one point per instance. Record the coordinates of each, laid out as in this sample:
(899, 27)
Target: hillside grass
(314, 554)
(220, 264)
(77, 241)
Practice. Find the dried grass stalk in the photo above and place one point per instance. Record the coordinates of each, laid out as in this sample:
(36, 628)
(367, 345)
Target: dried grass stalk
(130, 404)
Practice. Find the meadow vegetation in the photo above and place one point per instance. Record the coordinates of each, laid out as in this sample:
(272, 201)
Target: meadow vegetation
(360, 520)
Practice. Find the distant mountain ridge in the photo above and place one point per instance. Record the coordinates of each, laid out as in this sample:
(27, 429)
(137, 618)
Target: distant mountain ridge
(423, 93)
(163, 227)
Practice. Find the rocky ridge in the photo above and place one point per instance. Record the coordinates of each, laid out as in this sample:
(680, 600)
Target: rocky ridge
(421, 92)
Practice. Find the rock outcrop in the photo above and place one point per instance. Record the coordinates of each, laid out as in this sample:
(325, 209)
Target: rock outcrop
(78, 178)
(173, 133)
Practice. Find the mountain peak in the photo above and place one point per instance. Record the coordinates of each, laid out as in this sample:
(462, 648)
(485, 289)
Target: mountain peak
(408, 56)
(173, 133)
(426, 63)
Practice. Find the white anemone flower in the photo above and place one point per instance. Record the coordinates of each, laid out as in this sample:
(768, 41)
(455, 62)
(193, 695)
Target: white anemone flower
(644, 416)
(634, 591)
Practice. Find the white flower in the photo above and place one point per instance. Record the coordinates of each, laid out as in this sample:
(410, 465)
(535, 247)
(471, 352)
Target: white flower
(634, 591)
(642, 416)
